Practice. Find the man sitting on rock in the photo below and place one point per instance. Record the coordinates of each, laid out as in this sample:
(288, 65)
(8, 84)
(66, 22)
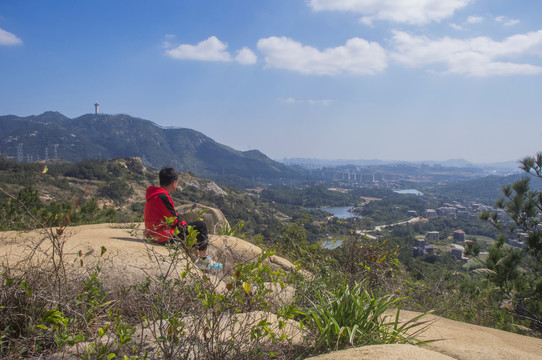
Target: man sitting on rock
(159, 206)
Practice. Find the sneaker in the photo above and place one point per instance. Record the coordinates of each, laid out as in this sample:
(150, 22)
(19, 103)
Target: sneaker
(208, 264)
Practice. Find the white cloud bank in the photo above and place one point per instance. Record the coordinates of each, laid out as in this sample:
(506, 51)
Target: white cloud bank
(211, 49)
(476, 57)
(416, 12)
(480, 56)
(9, 39)
(357, 56)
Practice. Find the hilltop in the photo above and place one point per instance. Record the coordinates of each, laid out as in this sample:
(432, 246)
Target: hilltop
(101, 136)
(126, 260)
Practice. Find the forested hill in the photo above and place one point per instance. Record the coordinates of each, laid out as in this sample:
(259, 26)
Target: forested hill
(101, 136)
(485, 190)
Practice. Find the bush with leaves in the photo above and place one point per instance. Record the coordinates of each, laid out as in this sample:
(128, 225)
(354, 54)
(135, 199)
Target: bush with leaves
(518, 271)
(354, 316)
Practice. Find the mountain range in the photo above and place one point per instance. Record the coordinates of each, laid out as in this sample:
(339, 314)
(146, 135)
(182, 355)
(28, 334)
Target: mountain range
(101, 136)
(52, 135)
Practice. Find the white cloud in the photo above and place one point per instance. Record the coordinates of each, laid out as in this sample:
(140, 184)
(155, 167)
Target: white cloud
(480, 56)
(324, 102)
(211, 49)
(401, 11)
(456, 27)
(506, 21)
(289, 100)
(246, 56)
(357, 56)
(474, 19)
(8, 39)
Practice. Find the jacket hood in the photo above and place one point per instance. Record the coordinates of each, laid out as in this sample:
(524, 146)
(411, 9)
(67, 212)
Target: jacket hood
(154, 191)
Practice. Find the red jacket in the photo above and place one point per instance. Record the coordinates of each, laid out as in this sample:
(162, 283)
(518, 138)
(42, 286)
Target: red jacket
(158, 207)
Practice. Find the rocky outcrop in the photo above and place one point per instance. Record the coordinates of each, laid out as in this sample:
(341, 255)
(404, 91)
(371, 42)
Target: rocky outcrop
(213, 218)
(124, 255)
(205, 186)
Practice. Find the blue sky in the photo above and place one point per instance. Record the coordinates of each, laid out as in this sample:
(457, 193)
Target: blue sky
(351, 79)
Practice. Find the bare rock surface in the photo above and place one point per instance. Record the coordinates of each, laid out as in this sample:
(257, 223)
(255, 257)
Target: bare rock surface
(384, 352)
(122, 253)
(471, 342)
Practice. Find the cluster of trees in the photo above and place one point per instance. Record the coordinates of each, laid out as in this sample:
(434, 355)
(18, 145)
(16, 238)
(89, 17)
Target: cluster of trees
(517, 272)
(311, 196)
(21, 211)
(27, 180)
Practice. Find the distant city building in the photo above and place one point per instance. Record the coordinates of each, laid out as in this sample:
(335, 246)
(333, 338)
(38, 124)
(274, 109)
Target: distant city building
(430, 214)
(412, 213)
(476, 206)
(516, 243)
(96, 108)
(460, 236)
(432, 235)
(429, 250)
(420, 243)
(419, 247)
(457, 251)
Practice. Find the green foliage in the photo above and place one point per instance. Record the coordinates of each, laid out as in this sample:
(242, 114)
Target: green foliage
(362, 258)
(229, 231)
(16, 212)
(485, 190)
(312, 196)
(117, 190)
(92, 298)
(113, 341)
(393, 207)
(353, 316)
(447, 225)
(518, 271)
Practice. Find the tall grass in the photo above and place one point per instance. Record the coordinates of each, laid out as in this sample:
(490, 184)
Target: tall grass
(354, 316)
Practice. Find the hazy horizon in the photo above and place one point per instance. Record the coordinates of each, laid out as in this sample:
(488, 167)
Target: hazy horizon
(425, 80)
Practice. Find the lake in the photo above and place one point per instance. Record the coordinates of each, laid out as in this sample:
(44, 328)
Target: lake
(339, 211)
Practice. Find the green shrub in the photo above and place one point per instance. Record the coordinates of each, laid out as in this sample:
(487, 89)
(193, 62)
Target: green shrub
(353, 316)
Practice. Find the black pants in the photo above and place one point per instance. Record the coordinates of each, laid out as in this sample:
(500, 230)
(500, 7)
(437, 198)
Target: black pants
(202, 237)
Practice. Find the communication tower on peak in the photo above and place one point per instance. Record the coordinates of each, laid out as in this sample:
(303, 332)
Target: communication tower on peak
(96, 108)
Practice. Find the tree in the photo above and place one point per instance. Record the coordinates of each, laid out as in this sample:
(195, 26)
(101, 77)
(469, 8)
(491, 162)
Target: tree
(517, 271)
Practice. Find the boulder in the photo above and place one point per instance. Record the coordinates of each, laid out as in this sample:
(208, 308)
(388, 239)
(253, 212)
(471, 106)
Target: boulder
(213, 218)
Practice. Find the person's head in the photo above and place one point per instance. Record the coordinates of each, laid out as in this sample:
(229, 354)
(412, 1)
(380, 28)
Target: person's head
(168, 176)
